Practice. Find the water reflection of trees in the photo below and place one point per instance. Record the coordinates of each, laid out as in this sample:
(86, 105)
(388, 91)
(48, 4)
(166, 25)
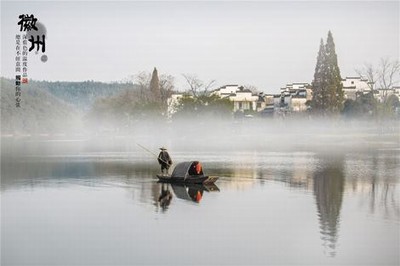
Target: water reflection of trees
(329, 183)
(375, 179)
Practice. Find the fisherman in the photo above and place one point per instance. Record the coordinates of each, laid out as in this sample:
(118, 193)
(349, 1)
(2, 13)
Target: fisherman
(164, 160)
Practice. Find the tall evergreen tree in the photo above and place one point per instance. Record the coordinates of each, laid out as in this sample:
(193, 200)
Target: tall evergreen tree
(327, 87)
(318, 102)
(334, 80)
(155, 86)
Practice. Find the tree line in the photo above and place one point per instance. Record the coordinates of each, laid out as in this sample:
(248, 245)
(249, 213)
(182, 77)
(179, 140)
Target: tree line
(145, 96)
(149, 101)
(327, 89)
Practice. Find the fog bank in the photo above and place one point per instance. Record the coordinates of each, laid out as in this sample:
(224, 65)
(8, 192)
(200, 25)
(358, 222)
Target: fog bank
(191, 137)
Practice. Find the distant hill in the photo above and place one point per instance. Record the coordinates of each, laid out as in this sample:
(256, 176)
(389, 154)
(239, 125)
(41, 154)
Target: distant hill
(63, 106)
(40, 111)
(81, 94)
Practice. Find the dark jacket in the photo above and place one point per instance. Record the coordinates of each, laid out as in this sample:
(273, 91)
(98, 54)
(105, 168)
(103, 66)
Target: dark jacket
(164, 158)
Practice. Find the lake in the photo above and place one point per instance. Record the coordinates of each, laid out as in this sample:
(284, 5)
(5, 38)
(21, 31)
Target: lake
(73, 202)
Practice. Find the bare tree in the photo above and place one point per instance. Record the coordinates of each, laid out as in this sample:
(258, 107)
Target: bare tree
(389, 74)
(197, 87)
(143, 80)
(252, 88)
(386, 75)
(369, 72)
(167, 86)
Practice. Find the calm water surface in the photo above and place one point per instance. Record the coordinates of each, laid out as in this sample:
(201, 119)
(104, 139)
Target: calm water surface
(65, 204)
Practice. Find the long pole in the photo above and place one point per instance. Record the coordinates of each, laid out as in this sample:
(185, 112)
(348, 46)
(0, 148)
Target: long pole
(155, 155)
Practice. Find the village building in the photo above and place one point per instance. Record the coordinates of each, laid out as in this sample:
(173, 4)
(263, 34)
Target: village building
(243, 99)
(383, 94)
(294, 97)
(353, 86)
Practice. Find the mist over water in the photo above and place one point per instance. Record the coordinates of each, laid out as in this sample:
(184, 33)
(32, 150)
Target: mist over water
(241, 135)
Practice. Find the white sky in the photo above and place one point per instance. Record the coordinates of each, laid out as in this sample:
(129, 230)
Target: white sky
(265, 44)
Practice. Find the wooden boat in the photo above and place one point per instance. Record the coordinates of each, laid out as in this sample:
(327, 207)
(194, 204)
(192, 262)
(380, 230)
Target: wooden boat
(188, 173)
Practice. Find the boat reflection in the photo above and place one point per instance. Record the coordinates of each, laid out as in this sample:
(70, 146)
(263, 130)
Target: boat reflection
(192, 192)
(189, 192)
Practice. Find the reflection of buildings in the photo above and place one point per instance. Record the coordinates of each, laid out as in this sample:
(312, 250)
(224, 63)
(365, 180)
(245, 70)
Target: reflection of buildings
(328, 190)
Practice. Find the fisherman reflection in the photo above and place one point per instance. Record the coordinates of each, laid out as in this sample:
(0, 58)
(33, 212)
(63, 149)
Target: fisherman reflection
(165, 197)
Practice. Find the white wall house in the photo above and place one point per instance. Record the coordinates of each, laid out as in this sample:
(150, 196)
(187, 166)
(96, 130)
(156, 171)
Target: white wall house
(243, 99)
(294, 96)
(265, 101)
(299, 104)
(295, 86)
(354, 85)
(226, 90)
(396, 91)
